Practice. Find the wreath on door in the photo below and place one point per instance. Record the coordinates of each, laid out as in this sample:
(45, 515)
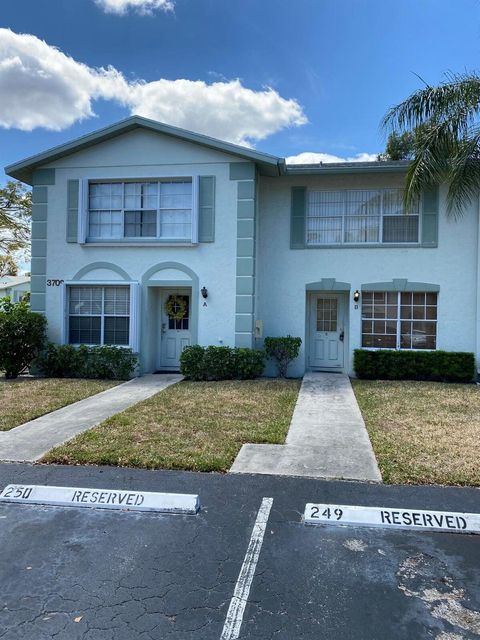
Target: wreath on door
(176, 307)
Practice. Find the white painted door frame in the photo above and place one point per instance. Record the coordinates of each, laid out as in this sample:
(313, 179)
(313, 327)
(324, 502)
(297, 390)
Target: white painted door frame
(171, 341)
(326, 349)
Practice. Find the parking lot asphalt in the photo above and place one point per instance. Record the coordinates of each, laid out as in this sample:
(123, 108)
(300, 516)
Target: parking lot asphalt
(93, 574)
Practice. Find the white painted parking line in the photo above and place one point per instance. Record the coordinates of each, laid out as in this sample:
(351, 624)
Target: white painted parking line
(101, 498)
(233, 622)
(451, 521)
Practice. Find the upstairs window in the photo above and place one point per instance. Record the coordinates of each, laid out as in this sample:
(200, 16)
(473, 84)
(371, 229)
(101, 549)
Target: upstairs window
(161, 210)
(399, 320)
(360, 217)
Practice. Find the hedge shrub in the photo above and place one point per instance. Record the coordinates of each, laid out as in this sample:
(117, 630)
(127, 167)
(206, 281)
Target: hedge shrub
(102, 362)
(283, 350)
(221, 363)
(444, 366)
(22, 335)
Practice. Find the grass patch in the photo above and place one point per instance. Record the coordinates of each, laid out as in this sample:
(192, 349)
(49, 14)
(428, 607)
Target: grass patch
(197, 426)
(24, 399)
(423, 432)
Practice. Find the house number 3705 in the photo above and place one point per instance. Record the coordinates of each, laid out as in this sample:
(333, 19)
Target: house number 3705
(54, 283)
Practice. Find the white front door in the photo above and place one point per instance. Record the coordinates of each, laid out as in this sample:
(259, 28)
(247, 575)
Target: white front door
(174, 332)
(327, 331)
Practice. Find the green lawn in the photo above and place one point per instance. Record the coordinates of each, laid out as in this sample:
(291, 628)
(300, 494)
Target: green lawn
(197, 426)
(24, 399)
(423, 432)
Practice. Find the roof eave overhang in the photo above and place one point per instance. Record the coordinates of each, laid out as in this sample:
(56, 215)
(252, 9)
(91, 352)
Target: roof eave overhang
(23, 170)
(345, 169)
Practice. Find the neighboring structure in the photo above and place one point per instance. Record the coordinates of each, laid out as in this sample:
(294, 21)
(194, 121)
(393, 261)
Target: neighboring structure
(14, 287)
(154, 237)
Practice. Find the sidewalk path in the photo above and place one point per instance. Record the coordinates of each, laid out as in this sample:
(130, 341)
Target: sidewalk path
(327, 436)
(30, 441)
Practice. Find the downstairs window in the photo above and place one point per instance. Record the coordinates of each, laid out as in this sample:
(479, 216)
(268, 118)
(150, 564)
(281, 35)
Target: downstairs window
(99, 315)
(399, 320)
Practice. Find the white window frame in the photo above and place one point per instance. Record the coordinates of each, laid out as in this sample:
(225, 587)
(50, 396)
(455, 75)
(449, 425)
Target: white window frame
(344, 217)
(83, 217)
(134, 329)
(398, 320)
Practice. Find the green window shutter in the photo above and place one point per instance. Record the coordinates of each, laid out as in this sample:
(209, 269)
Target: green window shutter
(297, 219)
(430, 217)
(72, 211)
(206, 209)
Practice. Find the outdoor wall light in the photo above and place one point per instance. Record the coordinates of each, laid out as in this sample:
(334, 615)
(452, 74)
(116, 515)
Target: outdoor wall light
(204, 292)
(356, 295)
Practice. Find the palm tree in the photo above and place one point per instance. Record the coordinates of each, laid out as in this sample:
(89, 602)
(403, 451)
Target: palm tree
(445, 121)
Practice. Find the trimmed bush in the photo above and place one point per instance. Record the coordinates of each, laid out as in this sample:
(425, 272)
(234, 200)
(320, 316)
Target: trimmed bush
(249, 363)
(102, 362)
(221, 363)
(442, 366)
(22, 335)
(191, 362)
(218, 363)
(283, 350)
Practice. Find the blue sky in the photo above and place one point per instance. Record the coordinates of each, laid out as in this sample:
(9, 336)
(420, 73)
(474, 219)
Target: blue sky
(284, 76)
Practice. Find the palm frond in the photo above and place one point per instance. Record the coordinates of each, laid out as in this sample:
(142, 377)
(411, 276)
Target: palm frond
(455, 102)
(464, 175)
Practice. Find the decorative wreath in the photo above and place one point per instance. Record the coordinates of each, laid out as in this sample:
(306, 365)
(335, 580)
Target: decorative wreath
(176, 307)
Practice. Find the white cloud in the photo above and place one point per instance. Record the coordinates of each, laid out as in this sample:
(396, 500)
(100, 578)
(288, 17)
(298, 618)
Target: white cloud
(311, 157)
(42, 87)
(143, 7)
(226, 110)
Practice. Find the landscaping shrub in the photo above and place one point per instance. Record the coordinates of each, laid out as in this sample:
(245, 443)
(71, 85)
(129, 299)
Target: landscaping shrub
(283, 350)
(22, 335)
(249, 363)
(102, 362)
(191, 362)
(218, 363)
(444, 366)
(221, 363)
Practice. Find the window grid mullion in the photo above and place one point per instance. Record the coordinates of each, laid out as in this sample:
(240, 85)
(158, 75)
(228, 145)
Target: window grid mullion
(398, 320)
(159, 186)
(382, 213)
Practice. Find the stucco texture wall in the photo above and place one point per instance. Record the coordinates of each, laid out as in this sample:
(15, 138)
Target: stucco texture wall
(142, 154)
(283, 273)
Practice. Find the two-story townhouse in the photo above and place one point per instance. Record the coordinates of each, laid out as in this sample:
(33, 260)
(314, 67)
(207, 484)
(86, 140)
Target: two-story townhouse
(153, 237)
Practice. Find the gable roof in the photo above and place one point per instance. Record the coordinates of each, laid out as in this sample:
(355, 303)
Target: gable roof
(23, 170)
(267, 164)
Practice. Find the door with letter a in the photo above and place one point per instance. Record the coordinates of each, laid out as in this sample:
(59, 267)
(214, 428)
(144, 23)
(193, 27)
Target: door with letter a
(175, 314)
(327, 331)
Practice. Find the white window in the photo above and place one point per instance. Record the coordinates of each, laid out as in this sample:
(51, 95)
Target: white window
(99, 315)
(373, 216)
(160, 210)
(399, 320)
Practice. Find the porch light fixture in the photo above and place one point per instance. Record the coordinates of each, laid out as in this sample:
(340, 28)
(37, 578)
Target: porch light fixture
(356, 295)
(204, 292)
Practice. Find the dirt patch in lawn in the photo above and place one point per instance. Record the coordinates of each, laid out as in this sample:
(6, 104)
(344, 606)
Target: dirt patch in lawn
(196, 426)
(24, 399)
(423, 432)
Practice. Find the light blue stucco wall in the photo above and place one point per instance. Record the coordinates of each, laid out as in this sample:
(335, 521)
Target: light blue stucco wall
(253, 275)
(283, 273)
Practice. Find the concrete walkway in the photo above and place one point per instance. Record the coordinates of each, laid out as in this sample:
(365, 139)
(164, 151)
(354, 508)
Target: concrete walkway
(327, 436)
(30, 441)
